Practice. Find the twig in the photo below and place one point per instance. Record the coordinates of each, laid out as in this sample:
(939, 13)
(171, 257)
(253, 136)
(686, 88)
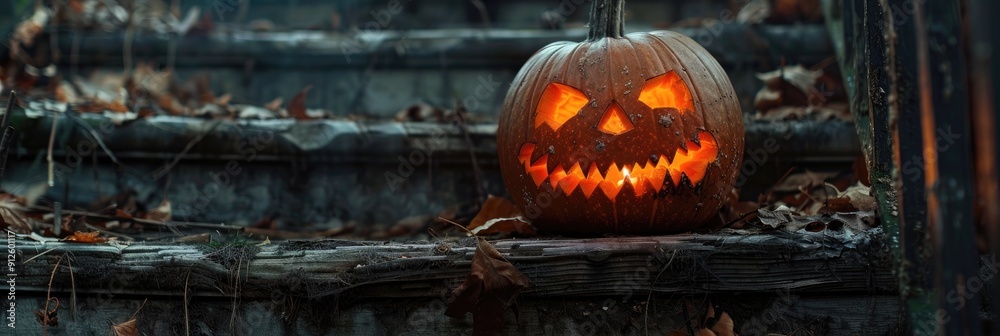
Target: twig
(11, 97)
(139, 309)
(52, 140)
(133, 219)
(48, 297)
(37, 255)
(187, 321)
(824, 63)
(72, 295)
(158, 173)
(687, 317)
(96, 137)
(129, 36)
(741, 217)
(74, 56)
(57, 219)
(54, 34)
(796, 331)
(472, 153)
(649, 296)
(8, 132)
(483, 13)
(362, 87)
(108, 233)
(767, 199)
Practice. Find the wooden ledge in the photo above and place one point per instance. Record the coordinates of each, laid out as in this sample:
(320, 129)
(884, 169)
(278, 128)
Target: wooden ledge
(826, 262)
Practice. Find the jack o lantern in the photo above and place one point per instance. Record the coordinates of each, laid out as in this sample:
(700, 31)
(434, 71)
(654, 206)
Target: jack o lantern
(640, 133)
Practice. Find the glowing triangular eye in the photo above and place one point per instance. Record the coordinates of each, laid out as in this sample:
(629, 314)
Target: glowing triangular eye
(614, 121)
(667, 90)
(559, 102)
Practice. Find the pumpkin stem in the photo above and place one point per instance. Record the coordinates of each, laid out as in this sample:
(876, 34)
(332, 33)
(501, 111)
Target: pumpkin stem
(606, 19)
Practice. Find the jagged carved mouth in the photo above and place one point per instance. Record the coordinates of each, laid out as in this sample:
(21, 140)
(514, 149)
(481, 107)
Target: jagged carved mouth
(691, 162)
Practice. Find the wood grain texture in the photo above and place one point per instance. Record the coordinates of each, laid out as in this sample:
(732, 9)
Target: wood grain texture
(833, 283)
(826, 262)
(825, 282)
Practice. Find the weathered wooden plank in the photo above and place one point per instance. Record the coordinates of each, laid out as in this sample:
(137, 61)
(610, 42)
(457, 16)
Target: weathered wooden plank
(824, 283)
(984, 69)
(812, 262)
(908, 147)
(948, 176)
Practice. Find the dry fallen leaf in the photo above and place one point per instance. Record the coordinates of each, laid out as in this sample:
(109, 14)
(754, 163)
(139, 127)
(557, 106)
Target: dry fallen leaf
(224, 99)
(203, 89)
(161, 213)
(491, 287)
(498, 215)
(420, 112)
(855, 198)
(505, 225)
(804, 180)
(275, 104)
(756, 11)
(11, 216)
(28, 30)
(405, 227)
(297, 106)
(719, 322)
(86, 237)
(203, 238)
(127, 328)
(778, 218)
(792, 85)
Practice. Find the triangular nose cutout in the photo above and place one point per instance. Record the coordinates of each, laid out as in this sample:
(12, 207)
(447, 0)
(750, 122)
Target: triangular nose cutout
(614, 121)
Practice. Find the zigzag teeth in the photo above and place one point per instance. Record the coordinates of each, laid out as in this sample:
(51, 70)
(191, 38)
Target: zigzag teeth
(643, 177)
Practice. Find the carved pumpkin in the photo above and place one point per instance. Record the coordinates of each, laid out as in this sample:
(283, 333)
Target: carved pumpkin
(630, 134)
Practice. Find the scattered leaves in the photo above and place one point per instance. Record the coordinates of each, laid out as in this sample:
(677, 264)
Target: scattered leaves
(87, 237)
(11, 215)
(785, 218)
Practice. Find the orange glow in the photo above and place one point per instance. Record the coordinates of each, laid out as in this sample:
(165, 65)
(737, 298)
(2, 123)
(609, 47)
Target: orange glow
(692, 161)
(667, 90)
(558, 104)
(614, 121)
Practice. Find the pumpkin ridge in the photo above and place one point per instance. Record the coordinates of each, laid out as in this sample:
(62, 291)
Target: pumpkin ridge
(635, 60)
